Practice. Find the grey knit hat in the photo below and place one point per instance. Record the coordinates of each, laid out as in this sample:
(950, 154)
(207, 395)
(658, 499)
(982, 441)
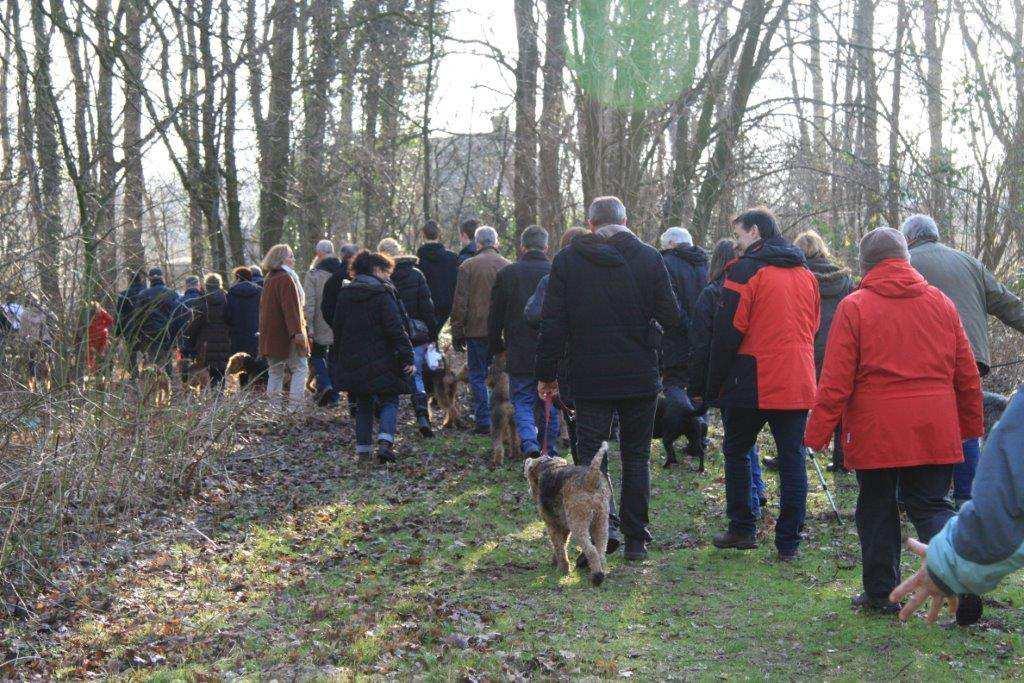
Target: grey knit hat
(881, 244)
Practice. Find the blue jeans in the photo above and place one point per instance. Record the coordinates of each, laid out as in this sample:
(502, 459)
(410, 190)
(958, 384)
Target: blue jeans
(479, 361)
(525, 401)
(963, 472)
(419, 361)
(323, 373)
(742, 426)
(757, 489)
(364, 419)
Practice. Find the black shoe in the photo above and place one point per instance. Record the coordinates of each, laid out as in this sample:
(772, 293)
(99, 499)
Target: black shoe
(636, 550)
(582, 564)
(968, 611)
(423, 422)
(669, 461)
(614, 541)
(836, 467)
(385, 453)
(866, 603)
(762, 501)
(733, 540)
(531, 454)
(788, 557)
(480, 430)
(771, 464)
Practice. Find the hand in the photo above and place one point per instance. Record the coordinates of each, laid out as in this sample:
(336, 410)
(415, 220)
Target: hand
(409, 369)
(459, 345)
(920, 588)
(547, 390)
(299, 340)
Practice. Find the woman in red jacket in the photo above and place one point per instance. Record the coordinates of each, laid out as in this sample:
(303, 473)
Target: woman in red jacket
(900, 374)
(99, 335)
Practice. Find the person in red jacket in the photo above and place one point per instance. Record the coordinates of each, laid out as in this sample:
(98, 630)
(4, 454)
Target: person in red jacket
(99, 335)
(900, 375)
(761, 370)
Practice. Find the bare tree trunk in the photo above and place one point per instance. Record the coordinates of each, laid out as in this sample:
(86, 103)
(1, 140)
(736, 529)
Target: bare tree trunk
(209, 187)
(549, 179)
(428, 95)
(107, 187)
(893, 185)
(933, 48)
(191, 135)
(864, 42)
(233, 204)
(134, 180)
(276, 138)
(524, 195)
(48, 235)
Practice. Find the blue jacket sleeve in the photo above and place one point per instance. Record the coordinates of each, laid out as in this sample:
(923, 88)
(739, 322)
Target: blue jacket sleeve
(985, 542)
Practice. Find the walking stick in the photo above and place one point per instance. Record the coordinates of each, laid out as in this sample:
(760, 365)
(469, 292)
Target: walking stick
(824, 486)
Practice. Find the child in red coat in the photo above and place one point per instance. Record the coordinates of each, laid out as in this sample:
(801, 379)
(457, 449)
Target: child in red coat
(99, 334)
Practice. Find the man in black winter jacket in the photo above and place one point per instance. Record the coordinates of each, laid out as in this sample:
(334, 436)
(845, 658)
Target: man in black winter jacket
(467, 234)
(441, 269)
(688, 271)
(126, 321)
(607, 294)
(161, 317)
(509, 333)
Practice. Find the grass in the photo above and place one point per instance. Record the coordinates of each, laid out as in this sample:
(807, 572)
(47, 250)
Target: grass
(306, 564)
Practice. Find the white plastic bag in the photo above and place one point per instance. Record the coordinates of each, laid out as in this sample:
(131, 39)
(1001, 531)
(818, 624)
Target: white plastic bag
(435, 360)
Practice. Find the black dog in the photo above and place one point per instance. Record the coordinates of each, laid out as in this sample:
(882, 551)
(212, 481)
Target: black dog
(674, 418)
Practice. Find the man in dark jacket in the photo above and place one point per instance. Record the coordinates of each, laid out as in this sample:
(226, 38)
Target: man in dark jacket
(688, 271)
(244, 313)
(976, 294)
(126, 323)
(509, 333)
(761, 370)
(193, 291)
(162, 316)
(441, 268)
(257, 275)
(325, 266)
(605, 293)
(467, 235)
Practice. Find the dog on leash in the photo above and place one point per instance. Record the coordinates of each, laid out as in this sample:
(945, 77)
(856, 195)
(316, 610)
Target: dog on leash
(673, 419)
(237, 364)
(503, 414)
(573, 502)
(155, 386)
(446, 389)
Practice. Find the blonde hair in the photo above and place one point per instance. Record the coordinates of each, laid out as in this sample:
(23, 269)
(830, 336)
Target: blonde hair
(389, 246)
(812, 244)
(275, 257)
(213, 281)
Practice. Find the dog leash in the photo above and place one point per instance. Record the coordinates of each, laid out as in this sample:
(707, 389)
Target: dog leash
(547, 426)
(1007, 364)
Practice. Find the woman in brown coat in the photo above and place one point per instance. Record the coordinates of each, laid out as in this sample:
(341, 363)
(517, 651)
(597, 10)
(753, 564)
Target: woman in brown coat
(282, 325)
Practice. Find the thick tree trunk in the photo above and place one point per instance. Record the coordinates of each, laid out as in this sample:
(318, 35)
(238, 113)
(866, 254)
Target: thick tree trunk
(134, 179)
(894, 181)
(106, 189)
(524, 194)
(233, 204)
(933, 48)
(864, 44)
(274, 147)
(209, 186)
(550, 133)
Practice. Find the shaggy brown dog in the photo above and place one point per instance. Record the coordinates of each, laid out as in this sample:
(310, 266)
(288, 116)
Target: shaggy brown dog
(573, 501)
(235, 367)
(503, 422)
(446, 389)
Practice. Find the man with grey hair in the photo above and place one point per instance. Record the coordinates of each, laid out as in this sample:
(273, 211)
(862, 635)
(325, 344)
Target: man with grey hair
(976, 294)
(471, 307)
(509, 333)
(688, 271)
(607, 294)
(325, 265)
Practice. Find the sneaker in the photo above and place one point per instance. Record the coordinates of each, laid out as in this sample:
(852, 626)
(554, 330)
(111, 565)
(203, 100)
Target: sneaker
(385, 454)
(866, 603)
(734, 540)
(614, 541)
(636, 550)
(968, 611)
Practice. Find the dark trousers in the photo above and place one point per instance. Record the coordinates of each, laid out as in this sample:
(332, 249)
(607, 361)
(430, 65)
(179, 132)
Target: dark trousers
(922, 491)
(742, 425)
(636, 423)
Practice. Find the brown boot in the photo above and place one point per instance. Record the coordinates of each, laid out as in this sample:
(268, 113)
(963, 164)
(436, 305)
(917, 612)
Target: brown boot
(733, 540)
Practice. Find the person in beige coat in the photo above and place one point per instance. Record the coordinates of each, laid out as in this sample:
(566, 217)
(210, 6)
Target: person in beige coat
(325, 264)
(470, 309)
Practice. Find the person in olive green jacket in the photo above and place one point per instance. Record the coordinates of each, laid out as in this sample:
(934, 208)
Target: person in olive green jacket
(976, 294)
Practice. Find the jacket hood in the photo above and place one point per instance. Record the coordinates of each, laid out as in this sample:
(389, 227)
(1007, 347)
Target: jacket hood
(365, 287)
(831, 277)
(533, 255)
(895, 279)
(406, 262)
(245, 289)
(776, 251)
(332, 265)
(693, 255)
(599, 251)
(432, 251)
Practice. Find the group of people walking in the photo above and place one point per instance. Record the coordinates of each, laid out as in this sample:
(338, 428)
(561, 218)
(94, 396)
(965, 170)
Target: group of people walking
(767, 331)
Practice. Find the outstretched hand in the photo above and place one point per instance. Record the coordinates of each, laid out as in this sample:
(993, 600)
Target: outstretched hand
(921, 588)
